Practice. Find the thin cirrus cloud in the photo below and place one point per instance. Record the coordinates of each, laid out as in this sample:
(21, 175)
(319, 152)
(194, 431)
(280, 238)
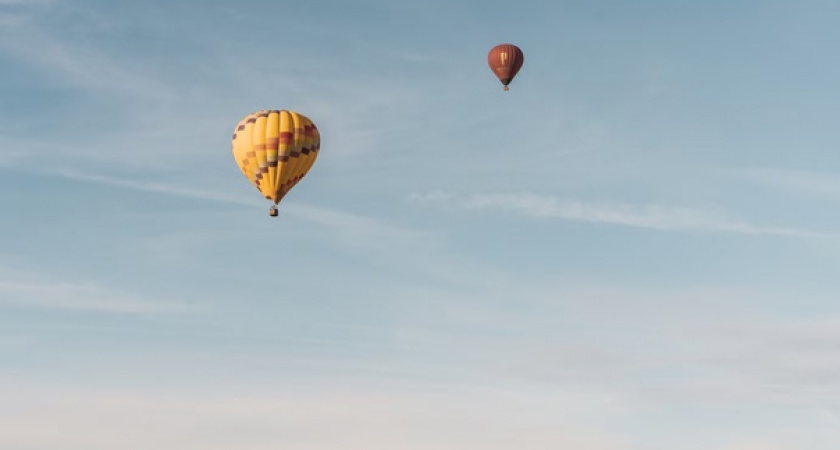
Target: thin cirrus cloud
(78, 296)
(153, 100)
(23, 2)
(350, 229)
(378, 238)
(806, 182)
(82, 66)
(655, 217)
(153, 186)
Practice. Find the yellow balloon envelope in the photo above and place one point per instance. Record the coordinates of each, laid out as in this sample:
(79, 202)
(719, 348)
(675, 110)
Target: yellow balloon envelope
(275, 149)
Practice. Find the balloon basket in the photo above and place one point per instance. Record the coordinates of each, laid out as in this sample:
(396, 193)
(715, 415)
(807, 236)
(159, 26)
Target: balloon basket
(272, 211)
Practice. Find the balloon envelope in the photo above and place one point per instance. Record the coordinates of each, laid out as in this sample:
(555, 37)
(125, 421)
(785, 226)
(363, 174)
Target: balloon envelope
(505, 60)
(275, 149)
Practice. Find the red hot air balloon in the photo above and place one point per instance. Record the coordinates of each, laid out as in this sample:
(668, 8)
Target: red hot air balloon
(505, 60)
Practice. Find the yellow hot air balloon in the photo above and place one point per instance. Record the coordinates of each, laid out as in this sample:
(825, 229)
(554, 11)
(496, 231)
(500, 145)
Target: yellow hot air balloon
(275, 149)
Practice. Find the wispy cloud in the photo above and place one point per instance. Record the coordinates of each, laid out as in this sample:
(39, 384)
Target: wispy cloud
(24, 2)
(78, 296)
(157, 114)
(656, 217)
(154, 186)
(11, 151)
(79, 65)
(807, 182)
(374, 236)
(137, 107)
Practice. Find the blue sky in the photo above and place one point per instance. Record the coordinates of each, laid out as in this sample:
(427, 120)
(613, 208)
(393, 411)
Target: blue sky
(633, 248)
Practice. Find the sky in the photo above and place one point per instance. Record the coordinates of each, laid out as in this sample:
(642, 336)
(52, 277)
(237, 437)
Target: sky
(635, 248)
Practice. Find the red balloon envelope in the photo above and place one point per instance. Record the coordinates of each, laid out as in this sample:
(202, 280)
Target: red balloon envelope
(505, 60)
